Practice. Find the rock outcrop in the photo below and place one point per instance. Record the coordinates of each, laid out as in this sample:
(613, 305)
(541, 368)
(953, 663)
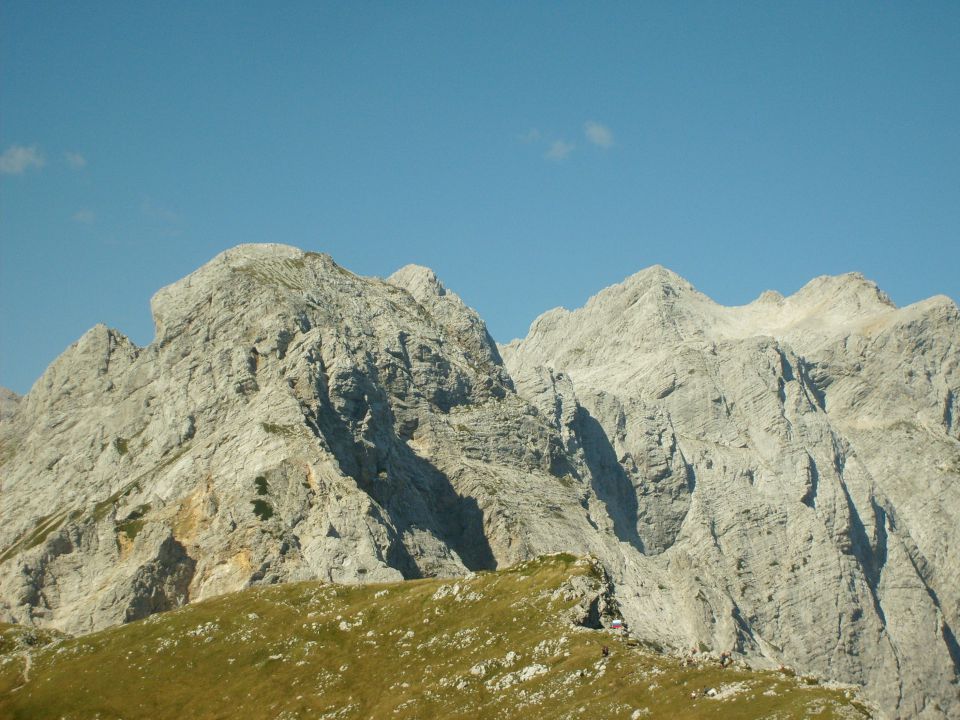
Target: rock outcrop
(779, 479)
(8, 403)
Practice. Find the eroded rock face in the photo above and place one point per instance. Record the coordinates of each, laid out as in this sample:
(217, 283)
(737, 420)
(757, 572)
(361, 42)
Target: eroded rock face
(291, 420)
(8, 403)
(780, 479)
(792, 467)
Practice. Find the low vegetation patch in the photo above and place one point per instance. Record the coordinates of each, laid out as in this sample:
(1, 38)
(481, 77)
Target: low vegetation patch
(46, 525)
(133, 523)
(16, 638)
(260, 482)
(287, 431)
(262, 509)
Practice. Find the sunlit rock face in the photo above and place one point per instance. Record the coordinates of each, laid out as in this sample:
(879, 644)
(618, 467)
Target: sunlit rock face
(779, 479)
(790, 469)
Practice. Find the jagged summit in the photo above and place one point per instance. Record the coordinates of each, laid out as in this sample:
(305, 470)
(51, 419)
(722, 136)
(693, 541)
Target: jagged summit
(656, 304)
(851, 292)
(242, 274)
(416, 279)
(779, 479)
(827, 301)
(770, 296)
(657, 274)
(655, 284)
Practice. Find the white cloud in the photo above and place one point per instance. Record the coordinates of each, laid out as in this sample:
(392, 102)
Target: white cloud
(559, 150)
(18, 158)
(84, 217)
(530, 136)
(598, 134)
(157, 212)
(161, 219)
(75, 160)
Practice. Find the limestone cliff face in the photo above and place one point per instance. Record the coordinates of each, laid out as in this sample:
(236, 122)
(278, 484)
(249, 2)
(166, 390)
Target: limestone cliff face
(291, 420)
(790, 469)
(8, 403)
(780, 478)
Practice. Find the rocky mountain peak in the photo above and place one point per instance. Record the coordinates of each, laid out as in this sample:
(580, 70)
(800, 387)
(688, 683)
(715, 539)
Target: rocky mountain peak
(655, 286)
(419, 281)
(232, 278)
(458, 320)
(851, 292)
(656, 275)
(770, 297)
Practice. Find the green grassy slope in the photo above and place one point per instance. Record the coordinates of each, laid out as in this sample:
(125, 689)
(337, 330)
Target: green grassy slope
(494, 645)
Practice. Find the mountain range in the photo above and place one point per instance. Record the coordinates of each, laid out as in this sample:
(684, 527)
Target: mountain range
(779, 480)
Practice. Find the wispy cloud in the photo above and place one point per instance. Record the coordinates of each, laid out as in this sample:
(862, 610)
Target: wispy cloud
(157, 212)
(162, 220)
(530, 136)
(598, 134)
(559, 150)
(18, 158)
(84, 217)
(75, 160)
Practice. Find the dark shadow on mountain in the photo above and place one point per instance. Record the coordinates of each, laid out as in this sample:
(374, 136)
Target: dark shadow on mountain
(948, 411)
(398, 554)
(952, 647)
(871, 562)
(362, 435)
(810, 496)
(814, 380)
(690, 472)
(608, 478)
(418, 496)
(161, 584)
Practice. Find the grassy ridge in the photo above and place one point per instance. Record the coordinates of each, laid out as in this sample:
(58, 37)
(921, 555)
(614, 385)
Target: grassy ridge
(493, 645)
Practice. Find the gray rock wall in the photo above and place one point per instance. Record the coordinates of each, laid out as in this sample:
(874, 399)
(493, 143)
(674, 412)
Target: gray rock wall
(795, 470)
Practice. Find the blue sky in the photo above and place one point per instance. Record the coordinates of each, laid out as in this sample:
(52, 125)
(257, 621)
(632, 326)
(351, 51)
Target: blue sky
(530, 153)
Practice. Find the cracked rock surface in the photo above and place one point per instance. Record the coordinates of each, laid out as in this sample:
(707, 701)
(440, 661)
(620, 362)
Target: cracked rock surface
(778, 479)
(789, 470)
